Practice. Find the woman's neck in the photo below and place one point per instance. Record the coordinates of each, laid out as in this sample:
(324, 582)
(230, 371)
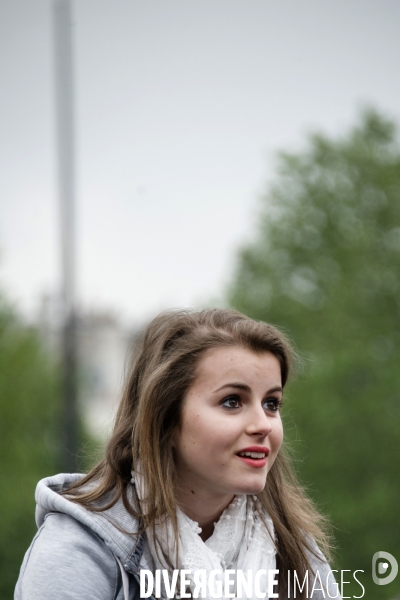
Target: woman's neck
(203, 509)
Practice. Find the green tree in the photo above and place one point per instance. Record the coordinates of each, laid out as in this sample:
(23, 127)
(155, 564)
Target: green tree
(325, 266)
(29, 416)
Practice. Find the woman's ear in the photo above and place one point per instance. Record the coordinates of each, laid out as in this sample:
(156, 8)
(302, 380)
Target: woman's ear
(173, 440)
(175, 435)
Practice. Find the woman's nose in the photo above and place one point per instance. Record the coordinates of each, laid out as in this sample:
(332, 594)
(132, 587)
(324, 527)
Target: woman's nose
(259, 422)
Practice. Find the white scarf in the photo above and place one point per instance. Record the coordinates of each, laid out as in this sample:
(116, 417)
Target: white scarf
(240, 541)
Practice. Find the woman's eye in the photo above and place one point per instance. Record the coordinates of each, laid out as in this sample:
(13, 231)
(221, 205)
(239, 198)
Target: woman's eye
(272, 404)
(231, 402)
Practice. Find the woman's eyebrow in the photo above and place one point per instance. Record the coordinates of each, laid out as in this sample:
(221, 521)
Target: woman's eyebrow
(246, 388)
(277, 388)
(240, 386)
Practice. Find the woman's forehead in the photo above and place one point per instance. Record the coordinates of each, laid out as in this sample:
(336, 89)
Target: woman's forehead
(228, 361)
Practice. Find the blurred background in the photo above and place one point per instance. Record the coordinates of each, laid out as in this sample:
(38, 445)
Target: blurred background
(222, 153)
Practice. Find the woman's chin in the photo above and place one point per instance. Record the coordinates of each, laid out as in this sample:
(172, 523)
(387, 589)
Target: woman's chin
(254, 486)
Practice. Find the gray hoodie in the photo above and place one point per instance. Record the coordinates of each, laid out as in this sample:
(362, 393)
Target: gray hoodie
(82, 555)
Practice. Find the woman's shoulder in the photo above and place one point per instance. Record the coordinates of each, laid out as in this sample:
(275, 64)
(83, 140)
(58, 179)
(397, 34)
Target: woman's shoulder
(67, 559)
(75, 549)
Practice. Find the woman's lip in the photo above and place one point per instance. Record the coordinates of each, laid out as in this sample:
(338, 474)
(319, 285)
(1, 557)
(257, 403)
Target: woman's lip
(263, 449)
(256, 463)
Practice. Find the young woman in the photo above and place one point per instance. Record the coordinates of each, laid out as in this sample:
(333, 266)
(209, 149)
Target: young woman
(195, 496)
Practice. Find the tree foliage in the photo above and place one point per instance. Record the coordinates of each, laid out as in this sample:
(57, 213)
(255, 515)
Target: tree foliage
(325, 266)
(29, 408)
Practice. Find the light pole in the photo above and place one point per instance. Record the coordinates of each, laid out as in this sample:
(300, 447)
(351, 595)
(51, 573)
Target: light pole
(66, 176)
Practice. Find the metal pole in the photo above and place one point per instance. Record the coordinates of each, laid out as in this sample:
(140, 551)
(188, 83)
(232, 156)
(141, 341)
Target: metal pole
(65, 129)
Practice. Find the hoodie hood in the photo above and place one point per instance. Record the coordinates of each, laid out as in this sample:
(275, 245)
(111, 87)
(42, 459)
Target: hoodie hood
(115, 526)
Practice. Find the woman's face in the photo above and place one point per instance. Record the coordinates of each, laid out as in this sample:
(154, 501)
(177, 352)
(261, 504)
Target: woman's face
(231, 429)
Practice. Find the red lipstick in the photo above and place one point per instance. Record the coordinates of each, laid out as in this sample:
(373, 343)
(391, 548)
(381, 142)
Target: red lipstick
(254, 456)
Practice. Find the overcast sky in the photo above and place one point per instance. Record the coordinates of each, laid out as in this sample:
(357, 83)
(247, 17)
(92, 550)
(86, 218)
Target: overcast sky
(180, 107)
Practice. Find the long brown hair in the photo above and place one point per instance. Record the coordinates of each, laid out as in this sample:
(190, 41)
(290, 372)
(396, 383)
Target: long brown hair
(163, 369)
